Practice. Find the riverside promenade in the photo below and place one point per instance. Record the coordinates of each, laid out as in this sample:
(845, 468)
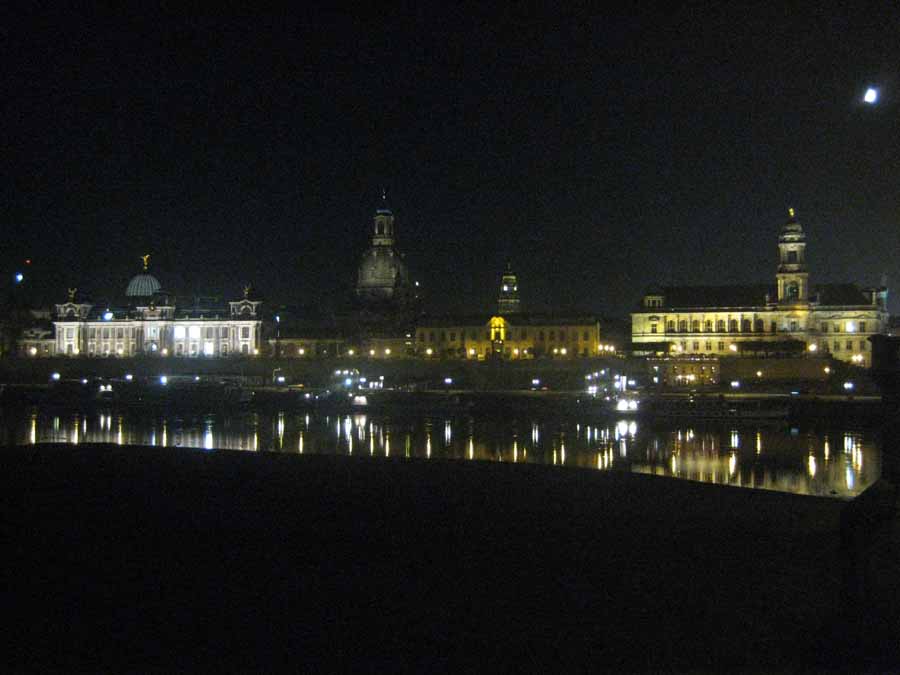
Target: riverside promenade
(131, 558)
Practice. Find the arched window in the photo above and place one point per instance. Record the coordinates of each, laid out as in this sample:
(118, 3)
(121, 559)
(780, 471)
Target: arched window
(793, 291)
(745, 325)
(682, 326)
(758, 326)
(720, 326)
(695, 326)
(670, 326)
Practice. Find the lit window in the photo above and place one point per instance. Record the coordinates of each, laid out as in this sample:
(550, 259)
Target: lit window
(194, 332)
(179, 332)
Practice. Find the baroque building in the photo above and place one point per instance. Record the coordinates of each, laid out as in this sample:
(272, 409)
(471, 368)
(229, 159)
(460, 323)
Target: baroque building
(383, 275)
(788, 317)
(510, 333)
(152, 322)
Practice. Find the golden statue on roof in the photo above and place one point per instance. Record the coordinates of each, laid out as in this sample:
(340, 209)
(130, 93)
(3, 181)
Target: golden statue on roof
(146, 259)
(72, 292)
(247, 290)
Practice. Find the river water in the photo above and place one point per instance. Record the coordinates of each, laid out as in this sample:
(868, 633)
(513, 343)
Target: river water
(837, 462)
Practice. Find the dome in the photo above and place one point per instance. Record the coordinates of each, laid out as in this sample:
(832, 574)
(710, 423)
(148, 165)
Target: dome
(142, 285)
(381, 273)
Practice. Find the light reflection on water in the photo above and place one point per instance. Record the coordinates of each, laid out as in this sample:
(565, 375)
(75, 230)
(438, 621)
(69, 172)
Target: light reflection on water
(838, 463)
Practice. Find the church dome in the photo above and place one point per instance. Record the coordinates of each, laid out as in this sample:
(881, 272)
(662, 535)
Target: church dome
(142, 285)
(381, 273)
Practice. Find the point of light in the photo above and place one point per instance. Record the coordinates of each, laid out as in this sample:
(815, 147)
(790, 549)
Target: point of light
(107, 316)
(19, 277)
(55, 377)
(871, 96)
(163, 379)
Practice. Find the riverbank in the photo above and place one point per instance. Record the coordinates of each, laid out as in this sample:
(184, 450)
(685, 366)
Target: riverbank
(161, 558)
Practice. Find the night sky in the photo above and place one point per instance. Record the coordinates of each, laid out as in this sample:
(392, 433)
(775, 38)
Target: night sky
(598, 153)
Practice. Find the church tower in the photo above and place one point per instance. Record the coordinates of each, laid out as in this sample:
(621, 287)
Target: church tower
(508, 299)
(792, 276)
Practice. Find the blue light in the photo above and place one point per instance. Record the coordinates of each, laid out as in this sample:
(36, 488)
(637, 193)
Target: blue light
(107, 316)
(19, 277)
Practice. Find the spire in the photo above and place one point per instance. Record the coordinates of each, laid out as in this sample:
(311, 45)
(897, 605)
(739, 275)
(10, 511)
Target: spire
(508, 298)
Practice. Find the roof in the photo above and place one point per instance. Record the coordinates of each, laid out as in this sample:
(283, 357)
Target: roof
(751, 295)
(142, 285)
(840, 294)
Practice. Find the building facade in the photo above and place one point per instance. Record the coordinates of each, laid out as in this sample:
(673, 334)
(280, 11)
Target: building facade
(151, 322)
(789, 316)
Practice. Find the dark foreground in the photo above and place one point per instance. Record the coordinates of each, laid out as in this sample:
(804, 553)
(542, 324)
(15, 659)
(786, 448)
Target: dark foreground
(131, 558)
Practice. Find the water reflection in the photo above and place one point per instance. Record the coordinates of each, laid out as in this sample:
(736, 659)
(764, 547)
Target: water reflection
(795, 460)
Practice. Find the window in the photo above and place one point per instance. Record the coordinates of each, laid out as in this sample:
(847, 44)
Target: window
(837, 346)
(720, 326)
(179, 332)
(224, 349)
(708, 346)
(443, 337)
(682, 326)
(194, 332)
(120, 333)
(695, 326)
(208, 332)
(732, 325)
(824, 327)
(587, 336)
(245, 332)
(758, 326)
(792, 256)
(540, 336)
(721, 346)
(179, 349)
(223, 331)
(837, 328)
(862, 326)
(524, 334)
(552, 335)
(708, 326)
(105, 334)
(452, 337)
(92, 333)
(863, 344)
(850, 345)
(245, 349)
(70, 333)
(792, 291)
(795, 326)
(652, 327)
(773, 327)
(431, 336)
(670, 326)
(696, 345)
(745, 325)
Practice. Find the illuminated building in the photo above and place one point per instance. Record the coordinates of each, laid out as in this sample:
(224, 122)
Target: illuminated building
(383, 275)
(152, 322)
(511, 333)
(790, 317)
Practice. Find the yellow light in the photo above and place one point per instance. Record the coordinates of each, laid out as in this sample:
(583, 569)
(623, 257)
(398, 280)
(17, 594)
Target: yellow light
(351, 352)
(791, 212)
(32, 351)
(732, 347)
(255, 352)
(827, 370)
(472, 351)
(515, 351)
(563, 351)
(165, 352)
(371, 352)
(813, 347)
(759, 373)
(301, 351)
(429, 351)
(387, 351)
